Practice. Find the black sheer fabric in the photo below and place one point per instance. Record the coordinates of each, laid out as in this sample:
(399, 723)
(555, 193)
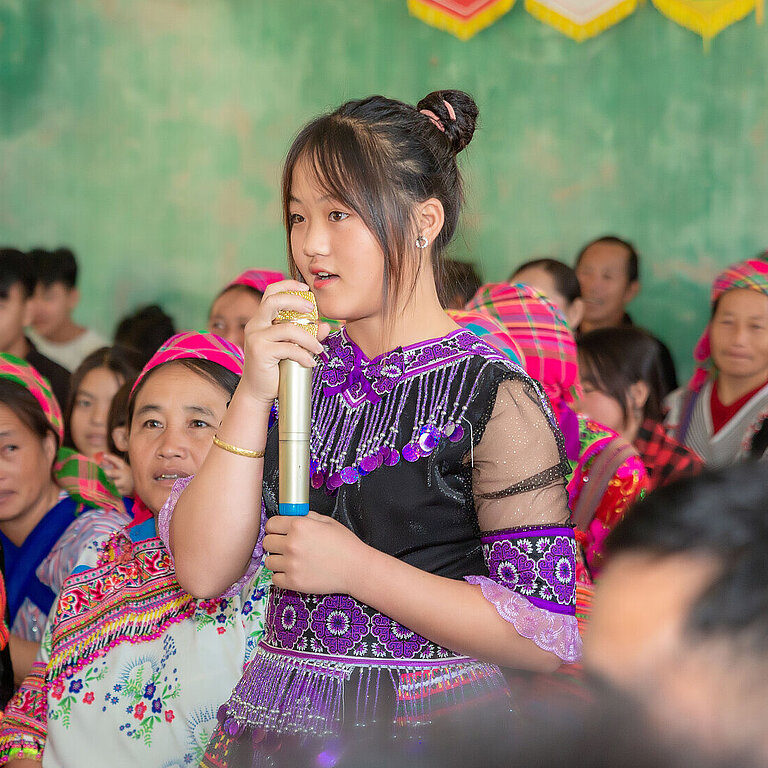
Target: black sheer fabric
(507, 470)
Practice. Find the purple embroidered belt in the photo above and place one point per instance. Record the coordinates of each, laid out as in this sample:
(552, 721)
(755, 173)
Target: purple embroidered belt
(536, 562)
(342, 629)
(319, 651)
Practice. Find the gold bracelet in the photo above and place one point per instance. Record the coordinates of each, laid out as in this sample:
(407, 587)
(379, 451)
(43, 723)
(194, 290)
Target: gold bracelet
(237, 451)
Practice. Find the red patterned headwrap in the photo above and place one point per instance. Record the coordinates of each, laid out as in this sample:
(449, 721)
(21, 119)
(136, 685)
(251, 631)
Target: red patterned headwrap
(83, 479)
(490, 330)
(540, 331)
(258, 279)
(15, 369)
(751, 274)
(195, 345)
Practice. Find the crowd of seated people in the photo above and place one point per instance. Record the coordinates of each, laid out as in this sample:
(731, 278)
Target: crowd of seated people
(102, 649)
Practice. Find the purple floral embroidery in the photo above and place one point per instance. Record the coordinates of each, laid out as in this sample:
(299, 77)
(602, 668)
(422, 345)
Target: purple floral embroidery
(558, 568)
(291, 618)
(510, 566)
(386, 372)
(399, 640)
(339, 623)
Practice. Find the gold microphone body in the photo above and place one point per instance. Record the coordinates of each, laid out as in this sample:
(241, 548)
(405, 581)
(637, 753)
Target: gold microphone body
(294, 397)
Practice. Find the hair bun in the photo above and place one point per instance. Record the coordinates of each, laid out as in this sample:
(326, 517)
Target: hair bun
(459, 131)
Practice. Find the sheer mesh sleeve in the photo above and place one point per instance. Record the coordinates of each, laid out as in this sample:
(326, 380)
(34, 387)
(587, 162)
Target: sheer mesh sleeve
(519, 467)
(518, 480)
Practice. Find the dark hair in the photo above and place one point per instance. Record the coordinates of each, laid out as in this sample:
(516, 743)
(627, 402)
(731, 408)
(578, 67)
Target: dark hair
(26, 408)
(145, 330)
(459, 278)
(16, 268)
(613, 359)
(237, 286)
(381, 157)
(59, 266)
(721, 514)
(118, 416)
(123, 362)
(563, 276)
(633, 262)
(213, 372)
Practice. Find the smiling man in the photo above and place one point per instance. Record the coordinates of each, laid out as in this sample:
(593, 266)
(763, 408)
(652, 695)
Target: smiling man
(608, 270)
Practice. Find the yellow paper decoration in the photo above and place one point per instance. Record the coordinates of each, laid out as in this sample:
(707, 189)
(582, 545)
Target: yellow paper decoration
(579, 19)
(462, 18)
(708, 17)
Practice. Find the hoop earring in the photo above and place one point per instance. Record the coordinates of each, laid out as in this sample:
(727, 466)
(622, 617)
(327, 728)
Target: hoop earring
(421, 242)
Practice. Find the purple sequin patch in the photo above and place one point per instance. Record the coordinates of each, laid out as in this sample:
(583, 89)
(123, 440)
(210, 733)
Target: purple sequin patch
(410, 452)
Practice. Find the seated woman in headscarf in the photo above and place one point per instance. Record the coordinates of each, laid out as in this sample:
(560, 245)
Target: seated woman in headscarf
(721, 414)
(132, 668)
(53, 503)
(622, 378)
(608, 475)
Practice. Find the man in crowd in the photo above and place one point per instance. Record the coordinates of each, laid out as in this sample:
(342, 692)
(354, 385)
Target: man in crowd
(608, 270)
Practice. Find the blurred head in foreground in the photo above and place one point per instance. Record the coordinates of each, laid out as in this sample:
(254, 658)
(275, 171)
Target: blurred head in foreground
(680, 616)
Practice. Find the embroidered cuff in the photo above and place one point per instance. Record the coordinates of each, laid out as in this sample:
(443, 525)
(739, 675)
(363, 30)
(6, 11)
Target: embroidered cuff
(164, 532)
(532, 585)
(24, 724)
(538, 563)
(553, 632)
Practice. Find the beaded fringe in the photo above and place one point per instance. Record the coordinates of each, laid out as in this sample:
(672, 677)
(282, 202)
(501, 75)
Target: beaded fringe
(287, 695)
(440, 409)
(131, 625)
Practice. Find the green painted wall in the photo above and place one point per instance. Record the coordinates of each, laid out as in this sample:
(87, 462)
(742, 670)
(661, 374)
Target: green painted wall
(148, 135)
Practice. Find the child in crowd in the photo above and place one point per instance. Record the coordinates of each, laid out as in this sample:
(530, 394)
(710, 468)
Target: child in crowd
(436, 463)
(237, 303)
(608, 475)
(621, 377)
(94, 385)
(53, 503)
(608, 270)
(115, 461)
(145, 330)
(56, 297)
(133, 669)
(17, 284)
(558, 282)
(722, 412)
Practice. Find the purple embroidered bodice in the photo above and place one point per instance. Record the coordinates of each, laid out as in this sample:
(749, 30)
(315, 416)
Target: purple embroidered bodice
(392, 434)
(390, 442)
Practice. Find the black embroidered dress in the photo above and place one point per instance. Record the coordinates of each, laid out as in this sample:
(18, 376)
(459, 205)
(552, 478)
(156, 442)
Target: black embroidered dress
(443, 454)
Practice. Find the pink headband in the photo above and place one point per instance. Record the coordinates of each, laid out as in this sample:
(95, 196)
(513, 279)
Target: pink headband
(20, 371)
(257, 279)
(435, 120)
(195, 345)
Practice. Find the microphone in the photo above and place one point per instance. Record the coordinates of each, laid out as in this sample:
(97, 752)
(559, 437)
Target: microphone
(294, 396)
